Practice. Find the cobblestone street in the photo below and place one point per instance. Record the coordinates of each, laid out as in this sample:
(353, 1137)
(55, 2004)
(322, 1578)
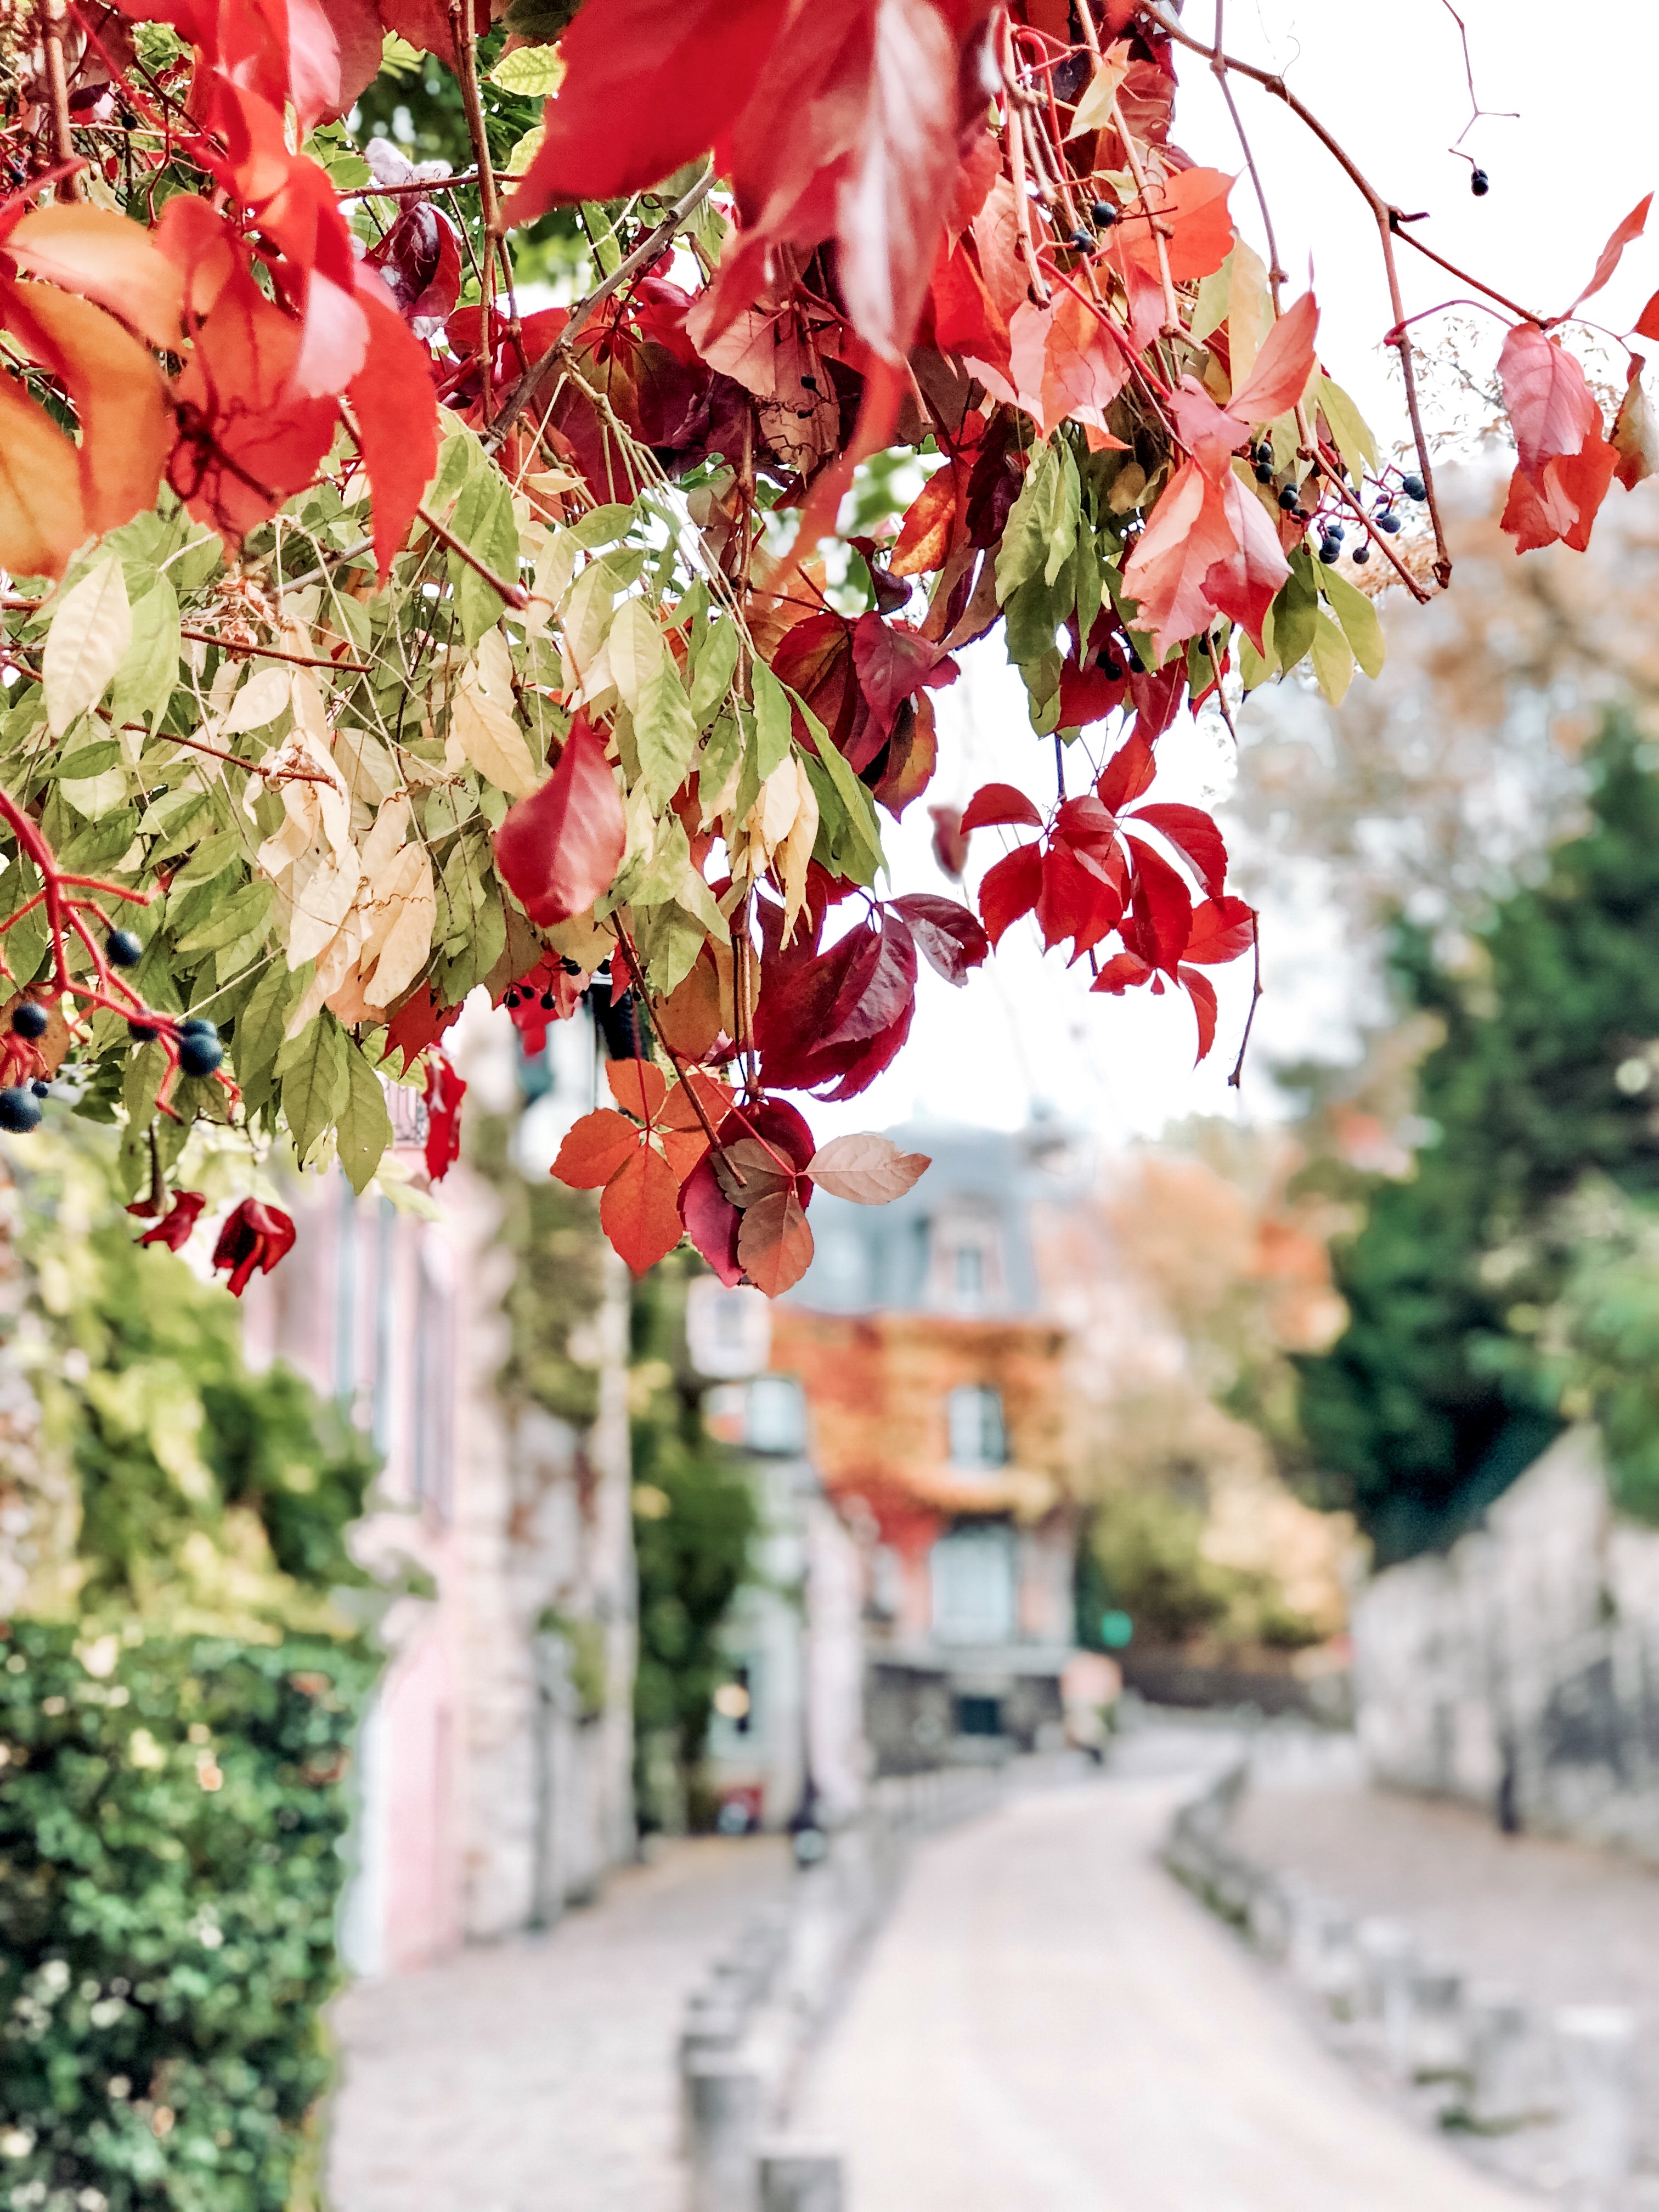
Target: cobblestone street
(537, 2074)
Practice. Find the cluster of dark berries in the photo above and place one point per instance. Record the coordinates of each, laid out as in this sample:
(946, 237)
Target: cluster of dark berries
(19, 1103)
(1102, 215)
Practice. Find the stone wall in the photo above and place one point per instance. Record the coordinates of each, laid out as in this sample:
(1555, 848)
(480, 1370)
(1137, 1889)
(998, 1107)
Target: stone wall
(1520, 1670)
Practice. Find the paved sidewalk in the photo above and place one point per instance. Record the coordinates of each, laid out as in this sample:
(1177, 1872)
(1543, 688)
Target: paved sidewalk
(1048, 2024)
(537, 2074)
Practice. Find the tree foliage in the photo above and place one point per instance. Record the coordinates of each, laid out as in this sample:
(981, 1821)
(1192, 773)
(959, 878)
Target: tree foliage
(374, 640)
(1437, 1393)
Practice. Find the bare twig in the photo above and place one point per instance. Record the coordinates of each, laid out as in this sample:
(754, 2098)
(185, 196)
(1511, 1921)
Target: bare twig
(272, 653)
(514, 595)
(1237, 1075)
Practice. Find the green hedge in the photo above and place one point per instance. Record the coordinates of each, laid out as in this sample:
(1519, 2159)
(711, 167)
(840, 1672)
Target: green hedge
(170, 1817)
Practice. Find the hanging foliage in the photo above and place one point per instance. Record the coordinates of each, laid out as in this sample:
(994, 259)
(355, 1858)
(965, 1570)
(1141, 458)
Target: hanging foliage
(369, 640)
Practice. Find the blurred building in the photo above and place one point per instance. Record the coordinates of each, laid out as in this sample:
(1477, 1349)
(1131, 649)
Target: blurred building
(495, 1765)
(930, 1373)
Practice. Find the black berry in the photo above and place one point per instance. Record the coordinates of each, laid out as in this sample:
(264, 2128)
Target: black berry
(199, 1054)
(30, 1020)
(1136, 666)
(1263, 455)
(1479, 183)
(1389, 522)
(199, 1025)
(1107, 664)
(1412, 487)
(141, 1032)
(1336, 530)
(571, 967)
(1264, 473)
(1103, 215)
(122, 949)
(550, 1004)
(40, 1090)
(20, 1110)
(1287, 498)
(1082, 241)
(513, 998)
(1362, 553)
(1330, 550)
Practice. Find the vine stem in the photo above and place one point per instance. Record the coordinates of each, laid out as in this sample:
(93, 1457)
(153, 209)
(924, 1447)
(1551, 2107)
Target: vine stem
(464, 34)
(1387, 217)
(641, 258)
(515, 594)
(271, 652)
(53, 15)
(1237, 1078)
(1160, 230)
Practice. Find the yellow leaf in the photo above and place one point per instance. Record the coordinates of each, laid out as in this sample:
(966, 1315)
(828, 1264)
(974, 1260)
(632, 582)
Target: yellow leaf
(635, 648)
(1094, 111)
(86, 643)
(258, 704)
(490, 738)
(1332, 658)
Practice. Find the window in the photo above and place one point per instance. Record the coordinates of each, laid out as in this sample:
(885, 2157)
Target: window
(974, 1416)
(969, 1269)
(974, 1586)
(777, 1416)
(979, 1715)
(727, 1333)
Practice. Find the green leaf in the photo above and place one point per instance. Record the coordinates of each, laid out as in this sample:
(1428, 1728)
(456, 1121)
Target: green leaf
(365, 1125)
(1289, 628)
(1350, 429)
(141, 1082)
(1333, 661)
(316, 1081)
(531, 72)
(257, 1042)
(144, 682)
(665, 733)
(241, 914)
(712, 671)
(482, 519)
(1358, 618)
(1028, 537)
(721, 752)
(1253, 670)
(772, 721)
(211, 858)
(669, 941)
(856, 801)
(605, 526)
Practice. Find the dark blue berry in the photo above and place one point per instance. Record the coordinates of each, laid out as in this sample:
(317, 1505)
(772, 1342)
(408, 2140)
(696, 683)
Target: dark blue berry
(1108, 665)
(199, 1024)
(20, 1110)
(1082, 241)
(1479, 183)
(1412, 487)
(1264, 472)
(513, 998)
(30, 1020)
(1287, 498)
(1103, 215)
(142, 1032)
(122, 949)
(1362, 553)
(550, 1004)
(1389, 522)
(1330, 550)
(199, 1054)
(40, 1090)
(1334, 529)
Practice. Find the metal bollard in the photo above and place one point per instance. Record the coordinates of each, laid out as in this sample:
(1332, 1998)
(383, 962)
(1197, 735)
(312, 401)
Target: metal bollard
(800, 2178)
(725, 2124)
(1503, 2082)
(1270, 1917)
(1388, 1966)
(1597, 2048)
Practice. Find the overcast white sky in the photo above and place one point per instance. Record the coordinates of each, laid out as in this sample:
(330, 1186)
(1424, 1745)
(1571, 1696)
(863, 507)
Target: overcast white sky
(1388, 80)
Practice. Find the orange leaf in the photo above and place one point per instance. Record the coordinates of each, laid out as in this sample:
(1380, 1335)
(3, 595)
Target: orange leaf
(40, 518)
(924, 539)
(640, 1212)
(592, 1151)
(397, 421)
(639, 1087)
(775, 1244)
(1282, 367)
(120, 401)
(869, 1170)
(106, 259)
(679, 1113)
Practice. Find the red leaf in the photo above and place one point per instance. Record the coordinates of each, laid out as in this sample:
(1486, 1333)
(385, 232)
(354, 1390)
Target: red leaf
(1168, 572)
(1080, 900)
(1282, 367)
(1085, 368)
(1194, 837)
(443, 1093)
(950, 843)
(1126, 774)
(1562, 501)
(1551, 406)
(640, 1210)
(649, 85)
(253, 1237)
(1121, 973)
(775, 1243)
(1222, 929)
(1610, 254)
(1162, 909)
(1647, 322)
(945, 932)
(879, 988)
(174, 1229)
(396, 415)
(778, 1124)
(1089, 695)
(994, 802)
(892, 661)
(711, 1221)
(1010, 890)
(1201, 991)
(558, 849)
(1193, 205)
(420, 1021)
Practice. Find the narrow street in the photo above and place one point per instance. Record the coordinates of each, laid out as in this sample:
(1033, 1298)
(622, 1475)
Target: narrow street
(1047, 2024)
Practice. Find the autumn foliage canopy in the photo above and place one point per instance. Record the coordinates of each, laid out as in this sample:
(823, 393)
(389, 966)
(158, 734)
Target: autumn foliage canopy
(374, 635)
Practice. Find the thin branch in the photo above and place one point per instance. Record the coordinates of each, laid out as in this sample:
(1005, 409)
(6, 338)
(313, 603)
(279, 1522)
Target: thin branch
(422, 186)
(272, 653)
(1236, 1077)
(1379, 538)
(514, 595)
(465, 36)
(640, 259)
(52, 13)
